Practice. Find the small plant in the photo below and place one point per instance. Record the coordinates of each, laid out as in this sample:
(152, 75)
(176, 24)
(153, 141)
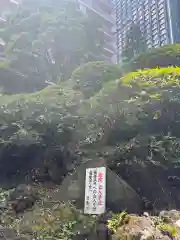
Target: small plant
(164, 225)
(3, 196)
(117, 220)
(167, 229)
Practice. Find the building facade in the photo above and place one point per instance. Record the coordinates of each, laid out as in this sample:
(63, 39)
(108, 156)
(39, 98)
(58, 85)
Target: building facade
(6, 6)
(158, 20)
(104, 9)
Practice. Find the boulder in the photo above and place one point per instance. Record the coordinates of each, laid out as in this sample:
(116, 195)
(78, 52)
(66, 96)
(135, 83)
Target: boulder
(119, 195)
(171, 215)
(140, 228)
(22, 198)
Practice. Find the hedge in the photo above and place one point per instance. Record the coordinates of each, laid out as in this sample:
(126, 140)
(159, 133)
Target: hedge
(165, 56)
(89, 77)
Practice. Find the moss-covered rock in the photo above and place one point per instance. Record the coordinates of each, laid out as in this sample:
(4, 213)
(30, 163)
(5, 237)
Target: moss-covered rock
(119, 195)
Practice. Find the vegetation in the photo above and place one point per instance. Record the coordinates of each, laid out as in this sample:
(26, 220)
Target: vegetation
(117, 220)
(129, 115)
(134, 43)
(165, 56)
(90, 77)
(48, 219)
(59, 117)
(45, 42)
(167, 228)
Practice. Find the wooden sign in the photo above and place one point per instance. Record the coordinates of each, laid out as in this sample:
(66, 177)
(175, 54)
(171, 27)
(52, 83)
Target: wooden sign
(95, 191)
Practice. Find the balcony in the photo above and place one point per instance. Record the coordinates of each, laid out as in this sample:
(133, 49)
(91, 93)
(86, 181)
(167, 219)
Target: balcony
(93, 6)
(109, 49)
(108, 34)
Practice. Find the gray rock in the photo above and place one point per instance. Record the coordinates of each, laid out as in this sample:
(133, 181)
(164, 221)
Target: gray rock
(119, 195)
(22, 198)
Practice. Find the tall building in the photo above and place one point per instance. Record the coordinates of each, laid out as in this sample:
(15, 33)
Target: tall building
(159, 21)
(105, 10)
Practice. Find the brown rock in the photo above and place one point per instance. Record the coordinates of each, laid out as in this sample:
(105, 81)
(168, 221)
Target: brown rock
(139, 228)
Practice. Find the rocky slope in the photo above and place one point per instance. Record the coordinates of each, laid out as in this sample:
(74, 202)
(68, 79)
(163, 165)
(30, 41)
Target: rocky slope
(49, 218)
(132, 123)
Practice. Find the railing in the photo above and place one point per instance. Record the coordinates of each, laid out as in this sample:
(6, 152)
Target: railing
(95, 8)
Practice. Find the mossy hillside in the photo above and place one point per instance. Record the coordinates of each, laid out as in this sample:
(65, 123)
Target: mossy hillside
(142, 102)
(121, 99)
(138, 115)
(35, 127)
(138, 100)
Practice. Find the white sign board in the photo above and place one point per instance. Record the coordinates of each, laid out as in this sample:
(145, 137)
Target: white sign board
(95, 191)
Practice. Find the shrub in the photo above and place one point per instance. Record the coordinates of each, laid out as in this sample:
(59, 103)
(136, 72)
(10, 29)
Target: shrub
(57, 117)
(156, 93)
(165, 56)
(142, 99)
(31, 123)
(90, 77)
(117, 220)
